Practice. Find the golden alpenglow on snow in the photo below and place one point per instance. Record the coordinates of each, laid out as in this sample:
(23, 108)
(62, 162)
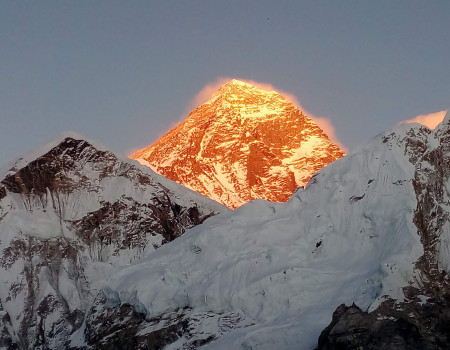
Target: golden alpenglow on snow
(243, 143)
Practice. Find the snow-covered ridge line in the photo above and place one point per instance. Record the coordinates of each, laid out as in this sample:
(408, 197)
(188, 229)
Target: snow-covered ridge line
(44, 148)
(39, 151)
(349, 236)
(28, 157)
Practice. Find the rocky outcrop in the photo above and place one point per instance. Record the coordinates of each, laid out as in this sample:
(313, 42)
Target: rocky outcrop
(242, 144)
(411, 326)
(111, 324)
(70, 215)
(124, 326)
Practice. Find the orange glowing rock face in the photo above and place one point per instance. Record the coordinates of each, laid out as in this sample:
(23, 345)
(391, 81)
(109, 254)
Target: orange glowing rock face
(244, 143)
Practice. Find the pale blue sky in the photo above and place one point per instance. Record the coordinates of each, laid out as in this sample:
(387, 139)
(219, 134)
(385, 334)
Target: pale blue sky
(124, 72)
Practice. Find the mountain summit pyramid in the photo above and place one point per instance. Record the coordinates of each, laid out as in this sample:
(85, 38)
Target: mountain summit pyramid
(243, 143)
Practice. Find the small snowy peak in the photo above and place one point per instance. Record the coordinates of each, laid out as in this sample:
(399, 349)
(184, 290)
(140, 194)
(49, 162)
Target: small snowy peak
(45, 148)
(445, 124)
(70, 134)
(244, 95)
(237, 82)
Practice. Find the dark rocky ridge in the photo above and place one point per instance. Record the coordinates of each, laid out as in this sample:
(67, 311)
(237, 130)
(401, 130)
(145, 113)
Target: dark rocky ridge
(353, 329)
(123, 326)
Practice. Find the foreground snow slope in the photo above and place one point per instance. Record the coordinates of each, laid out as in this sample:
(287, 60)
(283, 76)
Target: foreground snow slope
(280, 270)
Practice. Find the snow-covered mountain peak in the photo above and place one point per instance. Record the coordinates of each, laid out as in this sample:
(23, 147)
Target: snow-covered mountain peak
(240, 94)
(242, 144)
(72, 213)
(62, 140)
(237, 83)
(445, 124)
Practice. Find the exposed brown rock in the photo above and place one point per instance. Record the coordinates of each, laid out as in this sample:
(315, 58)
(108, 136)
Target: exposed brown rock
(353, 329)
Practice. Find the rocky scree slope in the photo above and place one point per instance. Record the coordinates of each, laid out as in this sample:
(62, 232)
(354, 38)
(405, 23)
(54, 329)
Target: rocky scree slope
(244, 143)
(71, 214)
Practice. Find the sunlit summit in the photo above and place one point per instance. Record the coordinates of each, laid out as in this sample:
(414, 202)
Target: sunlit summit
(243, 143)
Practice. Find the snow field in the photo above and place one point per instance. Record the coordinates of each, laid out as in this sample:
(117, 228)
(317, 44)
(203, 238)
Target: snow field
(348, 237)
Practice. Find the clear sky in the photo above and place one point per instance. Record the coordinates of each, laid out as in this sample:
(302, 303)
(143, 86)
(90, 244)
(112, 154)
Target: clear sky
(124, 72)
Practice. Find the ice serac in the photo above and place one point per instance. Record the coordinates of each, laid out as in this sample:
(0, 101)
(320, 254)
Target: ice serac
(71, 214)
(371, 228)
(244, 143)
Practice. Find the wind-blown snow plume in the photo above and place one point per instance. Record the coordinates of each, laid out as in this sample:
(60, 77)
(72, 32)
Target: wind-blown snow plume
(328, 128)
(429, 120)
